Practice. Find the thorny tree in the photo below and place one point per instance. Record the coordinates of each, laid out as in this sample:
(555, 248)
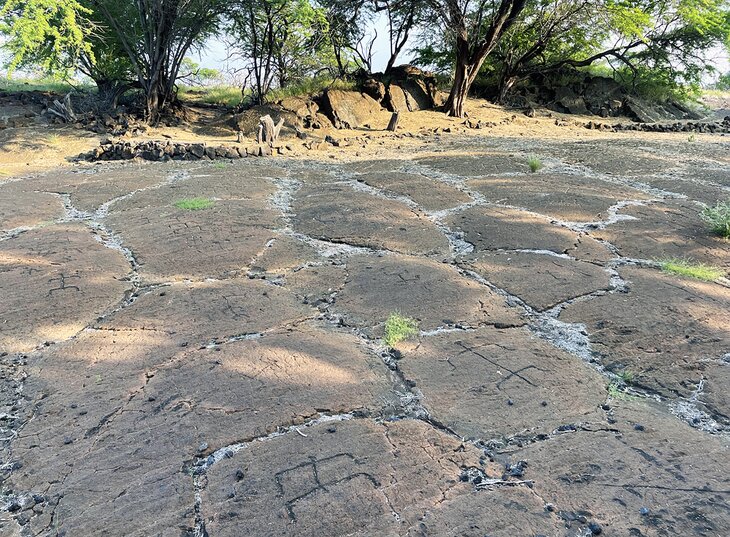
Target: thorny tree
(476, 26)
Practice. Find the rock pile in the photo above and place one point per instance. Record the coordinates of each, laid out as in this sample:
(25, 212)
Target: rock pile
(404, 89)
(164, 151)
(580, 93)
(702, 127)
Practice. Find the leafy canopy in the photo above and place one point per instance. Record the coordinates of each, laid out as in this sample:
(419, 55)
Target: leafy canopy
(51, 34)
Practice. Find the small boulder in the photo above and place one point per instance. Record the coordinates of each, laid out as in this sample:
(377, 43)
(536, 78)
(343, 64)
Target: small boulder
(349, 109)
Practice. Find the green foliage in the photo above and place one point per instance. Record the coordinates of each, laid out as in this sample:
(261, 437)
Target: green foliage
(282, 42)
(718, 218)
(310, 86)
(35, 84)
(723, 82)
(626, 376)
(193, 74)
(223, 95)
(617, 390)
(194, 204)
(49, 33)
(534, 163)
(399, 328)
(690, 269)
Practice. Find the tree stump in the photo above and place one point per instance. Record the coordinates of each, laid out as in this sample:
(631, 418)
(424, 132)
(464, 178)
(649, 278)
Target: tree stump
(268, 131)
(393, 124)
(63, 110)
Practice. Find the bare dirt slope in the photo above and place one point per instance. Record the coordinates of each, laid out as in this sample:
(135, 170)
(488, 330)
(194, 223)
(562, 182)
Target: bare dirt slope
(221, 371)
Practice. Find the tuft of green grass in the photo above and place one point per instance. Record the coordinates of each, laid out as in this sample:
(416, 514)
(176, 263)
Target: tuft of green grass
(690, 269)
(220, 165)
(617, 390)
(534, 163)
(718, 218)
(691, 138)
(626, 376)
(223, 95)
(399, 328)
(194, 204)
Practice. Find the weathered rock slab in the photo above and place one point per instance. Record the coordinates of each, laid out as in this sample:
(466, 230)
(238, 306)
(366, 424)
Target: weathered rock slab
(666, 230)
(172, 244)
(54, 281)
(356, 478)
(492, 384)
(640, 476)
(20, 207)
(429, 194)
(477, 165)
(665, 331)
(497, 228)
(566, 197)
(434, 293)
(540, 280)
(339, 214)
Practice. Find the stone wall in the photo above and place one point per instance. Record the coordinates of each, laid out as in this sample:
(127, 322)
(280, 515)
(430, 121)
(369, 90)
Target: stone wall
(168, 150)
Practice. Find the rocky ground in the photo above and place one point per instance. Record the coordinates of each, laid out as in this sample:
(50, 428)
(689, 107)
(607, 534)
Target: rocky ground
(222, 372)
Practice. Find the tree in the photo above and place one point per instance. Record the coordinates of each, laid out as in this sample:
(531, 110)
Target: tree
(50, 33)
(402, 16)
(156, 35)
(665, 40)
(280, 41)
(476, 26)
(346, 21)
(145, 38)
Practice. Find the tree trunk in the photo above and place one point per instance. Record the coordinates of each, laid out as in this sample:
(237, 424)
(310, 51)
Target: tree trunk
(393, 124)
(110, 91)
(505, 85)
(459, 90)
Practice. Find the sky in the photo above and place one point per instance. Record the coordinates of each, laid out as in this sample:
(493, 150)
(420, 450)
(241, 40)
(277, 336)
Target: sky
(215, 53)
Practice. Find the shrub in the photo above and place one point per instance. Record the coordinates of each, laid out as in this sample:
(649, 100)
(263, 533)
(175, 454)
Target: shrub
(398, 328)
(718, 218)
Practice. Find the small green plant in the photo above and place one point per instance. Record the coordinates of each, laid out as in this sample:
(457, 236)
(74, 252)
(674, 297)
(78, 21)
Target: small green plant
(220, 165)
(617, 390)
(718, 218)
(690, 269)
(626, 376)
(534, 163)
(691, 138)
(194, 204)
(398, 328)
(53, 139)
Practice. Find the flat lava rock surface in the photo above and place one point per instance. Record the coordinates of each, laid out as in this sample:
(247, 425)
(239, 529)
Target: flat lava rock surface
(222, 371)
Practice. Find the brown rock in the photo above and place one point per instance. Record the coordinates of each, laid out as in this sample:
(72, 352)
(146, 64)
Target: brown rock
(541, 281)
(350, 109)
(377, 287)
(494, 384)
(662, 331)
(338, 213)
(55, 281)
